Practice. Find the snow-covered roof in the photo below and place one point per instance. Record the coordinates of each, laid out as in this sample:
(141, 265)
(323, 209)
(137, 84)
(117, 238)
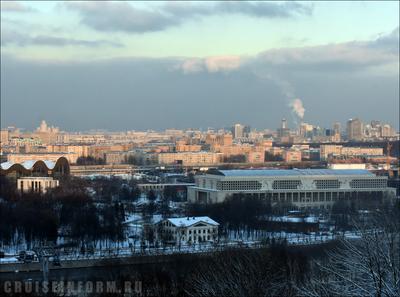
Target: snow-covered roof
(29, 164)
(189, 221)
(289, 219)
(169, 174)
(50, 164)
(311, 219)
(292, 172)
(6, 165)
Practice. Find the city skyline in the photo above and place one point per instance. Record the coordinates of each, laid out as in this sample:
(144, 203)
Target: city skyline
(341, 127)
(199, 65)
(354, 129)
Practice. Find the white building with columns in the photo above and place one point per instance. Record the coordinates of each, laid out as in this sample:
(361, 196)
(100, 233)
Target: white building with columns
(36, 184)
(187, 230)
(304, 188)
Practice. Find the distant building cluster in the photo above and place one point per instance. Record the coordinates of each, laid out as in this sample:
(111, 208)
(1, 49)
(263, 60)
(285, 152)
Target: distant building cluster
(357, 130)
(237, 144)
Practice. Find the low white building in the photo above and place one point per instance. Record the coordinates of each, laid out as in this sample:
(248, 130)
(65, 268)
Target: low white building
(36, 184)
(187, 230)
(347, 166)
(304, 188)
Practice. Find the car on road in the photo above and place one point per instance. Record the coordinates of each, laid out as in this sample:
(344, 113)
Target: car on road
(56, 261)
(27, 256)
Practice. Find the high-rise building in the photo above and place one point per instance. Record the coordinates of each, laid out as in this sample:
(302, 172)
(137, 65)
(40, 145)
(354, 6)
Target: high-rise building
(4, 136)
(354, 129)
(377, 129)
(375, 124)
(283, 124)
(283, 130)
(306, 130)
(336, 127)
(238, 131)
(246, 131)
(387, 131)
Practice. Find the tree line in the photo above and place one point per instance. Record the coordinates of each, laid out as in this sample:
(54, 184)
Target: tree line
(68, 211)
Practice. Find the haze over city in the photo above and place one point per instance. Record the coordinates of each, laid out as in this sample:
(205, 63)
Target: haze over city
(157, 65)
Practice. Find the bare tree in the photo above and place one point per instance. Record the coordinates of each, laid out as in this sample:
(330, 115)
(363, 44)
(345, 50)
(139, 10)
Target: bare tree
(248, 273)
(368, 265)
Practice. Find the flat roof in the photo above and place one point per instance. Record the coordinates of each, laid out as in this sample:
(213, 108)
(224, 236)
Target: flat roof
(36, 177)
(290, 172)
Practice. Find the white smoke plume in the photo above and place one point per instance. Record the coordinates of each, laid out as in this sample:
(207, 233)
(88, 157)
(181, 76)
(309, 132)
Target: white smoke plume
(297, 107)
(288, 91)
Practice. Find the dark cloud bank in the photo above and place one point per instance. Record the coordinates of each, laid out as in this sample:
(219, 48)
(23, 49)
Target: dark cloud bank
(335, 82)
(120, 16)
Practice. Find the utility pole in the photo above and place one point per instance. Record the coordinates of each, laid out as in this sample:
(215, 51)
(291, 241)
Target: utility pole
(45, 268)
(44, 253)
(388, 148)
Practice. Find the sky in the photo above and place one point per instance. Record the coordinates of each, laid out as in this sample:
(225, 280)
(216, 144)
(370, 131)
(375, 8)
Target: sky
(155, 65)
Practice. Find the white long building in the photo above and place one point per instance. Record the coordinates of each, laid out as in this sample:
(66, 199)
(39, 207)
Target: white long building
(305, 188)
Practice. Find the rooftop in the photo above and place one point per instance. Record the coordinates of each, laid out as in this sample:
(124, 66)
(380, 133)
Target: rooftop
(36, 177)
(31, 164)
(290, 172)
(189, 221)
(27, 164)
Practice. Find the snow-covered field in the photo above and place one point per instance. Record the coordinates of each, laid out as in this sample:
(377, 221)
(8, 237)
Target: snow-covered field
(134, 245)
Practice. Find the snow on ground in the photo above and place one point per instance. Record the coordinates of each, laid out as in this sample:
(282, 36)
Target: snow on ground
(133, 217)
(8, 260)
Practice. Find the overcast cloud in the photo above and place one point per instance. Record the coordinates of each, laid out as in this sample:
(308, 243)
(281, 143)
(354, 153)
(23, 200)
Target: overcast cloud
(21, 39)
(92, 76)
(349, 80)
(14, 6)
(350, 56)
(122, 16)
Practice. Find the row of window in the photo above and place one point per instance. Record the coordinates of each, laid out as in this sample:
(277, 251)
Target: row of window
(286, 184)
(327, 184)
(304, 197)
(199, 231)
(36, 185)
(309, 196)
(199, 238)
(248, 185)
(368, 183)
(242, 185)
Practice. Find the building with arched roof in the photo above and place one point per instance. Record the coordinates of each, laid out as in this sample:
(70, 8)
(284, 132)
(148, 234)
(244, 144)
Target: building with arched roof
(36, 168)
(36, 175)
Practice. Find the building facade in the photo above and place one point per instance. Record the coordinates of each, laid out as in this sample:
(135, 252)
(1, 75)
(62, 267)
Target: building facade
(292, 155)
(36, 184)
(22, 157)
(304, 188)
(355, 129)
(190, 158)
(332, 150)
(187, 230)
(238, 131)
